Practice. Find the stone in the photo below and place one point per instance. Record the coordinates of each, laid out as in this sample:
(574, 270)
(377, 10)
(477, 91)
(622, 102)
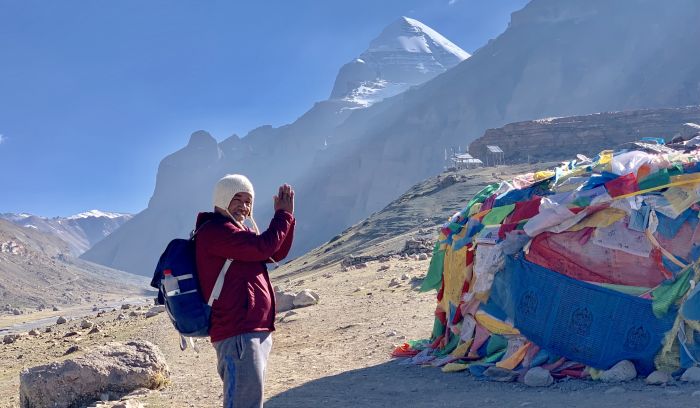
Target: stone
(383, 268)
(538, 377)
(48, 330)
(95, 329)
(689, 130)
(115, 367)
(72, 349)
(61, 320)
(658, 378)
(691, 375)
(615, 390)
(34, 332)
(86, 324)
(121, 316)
(55, 309)
(423, 257)
(500, 374)
(155, 311)
(284, 301)
(133, 313)
(128, 404)
(306, 297)
(405, 276)
(126, 306)
(10, 338)
(394, 282)
(620, 372)
(16, 312)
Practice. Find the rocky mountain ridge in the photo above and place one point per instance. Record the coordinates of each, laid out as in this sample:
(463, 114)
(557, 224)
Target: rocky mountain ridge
(79, 231)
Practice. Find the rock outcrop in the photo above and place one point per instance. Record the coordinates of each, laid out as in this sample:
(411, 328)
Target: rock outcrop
(589, 134)
(114, 368)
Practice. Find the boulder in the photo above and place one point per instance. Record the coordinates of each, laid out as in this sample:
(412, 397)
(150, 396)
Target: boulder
(61, 320)
(306, 297)
(691, 375)
(500, 374)
(620, 372)
(658, 378)
(10, 338)
(86, 324)
(538, 377)
(284, 301)
(155, 311)
(115, 367)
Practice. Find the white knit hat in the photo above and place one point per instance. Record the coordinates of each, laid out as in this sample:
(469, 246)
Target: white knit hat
(228, 186)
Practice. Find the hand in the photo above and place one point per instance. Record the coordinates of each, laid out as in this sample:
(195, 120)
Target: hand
(284, 200)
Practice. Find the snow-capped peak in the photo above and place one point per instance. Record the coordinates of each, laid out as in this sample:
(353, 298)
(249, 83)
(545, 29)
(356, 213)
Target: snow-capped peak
(410, 35)
(95, 214)
(406, 53)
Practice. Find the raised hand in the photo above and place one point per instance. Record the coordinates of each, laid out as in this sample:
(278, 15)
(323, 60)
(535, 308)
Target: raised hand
(284, 200)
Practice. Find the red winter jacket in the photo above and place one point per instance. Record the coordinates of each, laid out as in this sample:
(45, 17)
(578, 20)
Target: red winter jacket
(247, 300)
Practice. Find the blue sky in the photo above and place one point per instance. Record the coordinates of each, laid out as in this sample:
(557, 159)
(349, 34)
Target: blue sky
(93, 94)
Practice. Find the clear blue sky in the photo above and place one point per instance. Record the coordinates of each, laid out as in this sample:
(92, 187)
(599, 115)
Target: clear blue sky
(93, 94)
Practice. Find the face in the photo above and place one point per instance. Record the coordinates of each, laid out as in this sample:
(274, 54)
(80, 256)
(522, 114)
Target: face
(240, 206)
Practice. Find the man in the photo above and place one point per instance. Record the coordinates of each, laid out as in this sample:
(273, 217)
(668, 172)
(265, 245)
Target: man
(243, 316)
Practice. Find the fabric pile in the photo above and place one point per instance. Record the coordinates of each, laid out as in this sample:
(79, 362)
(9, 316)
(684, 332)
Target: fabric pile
(573, 269)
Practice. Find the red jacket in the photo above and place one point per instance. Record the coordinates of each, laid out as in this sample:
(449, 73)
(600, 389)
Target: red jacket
(247, 300)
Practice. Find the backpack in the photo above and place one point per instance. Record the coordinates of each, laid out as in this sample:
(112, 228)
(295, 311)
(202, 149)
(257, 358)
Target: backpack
(188, 311)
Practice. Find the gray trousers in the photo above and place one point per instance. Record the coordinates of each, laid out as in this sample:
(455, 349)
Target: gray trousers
(242, 361)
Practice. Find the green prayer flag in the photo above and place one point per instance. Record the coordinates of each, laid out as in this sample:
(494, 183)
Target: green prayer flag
(669, 292)
(438, 329)
(660, 178)
(433, 279)
(497, 214)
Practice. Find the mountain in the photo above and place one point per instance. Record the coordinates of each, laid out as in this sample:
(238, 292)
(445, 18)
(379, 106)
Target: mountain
(407, 53)
(80, 231)
(556, 58)
(37, 270)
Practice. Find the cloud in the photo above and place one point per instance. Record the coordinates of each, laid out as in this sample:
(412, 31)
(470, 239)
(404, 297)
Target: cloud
(2, 138)
(452, 2)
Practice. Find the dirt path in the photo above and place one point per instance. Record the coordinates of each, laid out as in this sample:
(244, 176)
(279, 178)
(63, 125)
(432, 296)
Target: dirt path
(334, 354)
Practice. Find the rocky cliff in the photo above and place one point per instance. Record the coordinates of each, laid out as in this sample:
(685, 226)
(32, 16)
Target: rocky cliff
(563, 138)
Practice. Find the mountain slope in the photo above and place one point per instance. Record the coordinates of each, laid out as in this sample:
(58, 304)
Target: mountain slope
(80, 231)
(36, 269)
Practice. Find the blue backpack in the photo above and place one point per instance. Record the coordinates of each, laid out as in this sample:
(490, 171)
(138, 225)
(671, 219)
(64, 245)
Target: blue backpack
(188, 311)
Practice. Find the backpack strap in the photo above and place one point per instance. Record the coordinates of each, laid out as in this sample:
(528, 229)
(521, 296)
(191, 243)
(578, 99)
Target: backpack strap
(219, 282)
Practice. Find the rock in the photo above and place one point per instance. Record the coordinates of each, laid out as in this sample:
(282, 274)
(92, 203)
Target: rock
(423, 257)
(394, 282)
(500, 374)
(72, 349)
(689, 130)
(128, 404)
(306, 297)
(538, 377)
(16, 312)
(383, 268)
(121, 316)
(392, 333)
(86, 324)
(155, 311)
(55, 309)
(615, 390)
(95, 329)
(691, 375)
(71, 334)
(405, 276)
(620, 372)
(361, 265)
(126, 306)
(48, 330)
(34, 332)
(358, 289)
(284, 301)
(61, 320)
(10, 338)
(658, 378)
(133, 313)
(115, 368)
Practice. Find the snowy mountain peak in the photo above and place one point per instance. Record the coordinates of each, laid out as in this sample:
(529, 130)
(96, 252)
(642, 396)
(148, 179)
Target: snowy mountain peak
(410, 35)
(406, 53)
(96, 214)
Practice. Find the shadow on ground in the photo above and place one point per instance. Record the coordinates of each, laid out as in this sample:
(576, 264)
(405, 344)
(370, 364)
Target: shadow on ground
(393, 384)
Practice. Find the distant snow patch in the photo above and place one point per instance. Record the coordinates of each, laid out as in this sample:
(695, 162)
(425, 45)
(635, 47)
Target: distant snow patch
(95, 214)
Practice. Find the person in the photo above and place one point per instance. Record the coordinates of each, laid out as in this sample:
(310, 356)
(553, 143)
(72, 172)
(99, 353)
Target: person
(243, 316)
